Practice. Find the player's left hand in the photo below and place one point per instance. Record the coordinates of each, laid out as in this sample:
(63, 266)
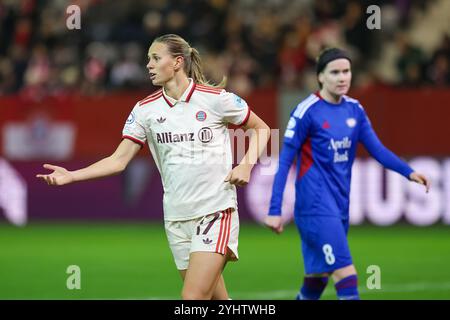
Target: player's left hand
(420, 178)
(274, 223)
(240, 175)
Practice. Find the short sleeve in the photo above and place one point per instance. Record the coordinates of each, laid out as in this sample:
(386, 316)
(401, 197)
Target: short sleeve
(133, 129)
(233, 108)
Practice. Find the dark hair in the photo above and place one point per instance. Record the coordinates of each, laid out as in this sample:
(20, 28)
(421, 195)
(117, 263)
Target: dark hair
(326, 56)
(177, 46)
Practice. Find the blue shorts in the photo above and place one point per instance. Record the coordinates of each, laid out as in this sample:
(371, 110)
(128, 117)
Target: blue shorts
(324, 243)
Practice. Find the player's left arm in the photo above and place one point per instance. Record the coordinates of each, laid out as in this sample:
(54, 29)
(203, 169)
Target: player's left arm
(240, 175)
(386, 157)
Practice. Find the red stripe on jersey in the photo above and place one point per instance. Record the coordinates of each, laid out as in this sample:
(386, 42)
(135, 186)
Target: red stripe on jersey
(208, 88)
(318, 95)
(224, 233)
(157, 93)
(208, 91)
(306, 158)
(202, 86)
(167, 100)
(134, 140)
(246, 117)
(142, 102)
(150, 100)
(227, 232)
(190, 93)
(219, 241)
(151, 96)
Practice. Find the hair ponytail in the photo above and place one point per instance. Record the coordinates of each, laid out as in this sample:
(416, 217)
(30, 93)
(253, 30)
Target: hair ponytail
(196, 70)
(177, 46)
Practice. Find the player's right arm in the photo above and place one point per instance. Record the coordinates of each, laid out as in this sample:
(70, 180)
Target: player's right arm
(112, 165)
(273, 219)
(294, 137)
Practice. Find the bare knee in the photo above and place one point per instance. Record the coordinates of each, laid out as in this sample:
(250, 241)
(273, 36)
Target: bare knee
(344, 272)
(220, 291)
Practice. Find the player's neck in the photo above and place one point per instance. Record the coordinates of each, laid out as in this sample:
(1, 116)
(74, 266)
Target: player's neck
(329, 97)
(175, 87)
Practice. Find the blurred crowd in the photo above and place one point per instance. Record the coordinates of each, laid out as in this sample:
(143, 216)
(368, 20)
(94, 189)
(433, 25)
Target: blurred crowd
(255, 43)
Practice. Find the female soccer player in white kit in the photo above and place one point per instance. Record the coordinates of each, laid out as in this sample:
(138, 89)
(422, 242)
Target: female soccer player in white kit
(185, 125)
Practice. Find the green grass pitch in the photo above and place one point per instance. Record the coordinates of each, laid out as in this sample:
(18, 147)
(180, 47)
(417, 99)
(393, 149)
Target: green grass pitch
(133, 261)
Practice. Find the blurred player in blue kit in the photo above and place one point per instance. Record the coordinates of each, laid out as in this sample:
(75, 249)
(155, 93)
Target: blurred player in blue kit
(323, 132)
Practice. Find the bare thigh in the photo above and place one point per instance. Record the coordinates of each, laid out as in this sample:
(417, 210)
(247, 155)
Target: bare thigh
(220, 292)
(203, 275)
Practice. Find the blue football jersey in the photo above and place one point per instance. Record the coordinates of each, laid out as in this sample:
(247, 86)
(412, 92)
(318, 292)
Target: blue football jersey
(324, 138)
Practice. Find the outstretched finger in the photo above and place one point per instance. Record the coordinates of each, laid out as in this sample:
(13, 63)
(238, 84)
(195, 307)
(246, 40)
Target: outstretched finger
(427, 184)
(50, 166)
(227, 177)
(423, 180)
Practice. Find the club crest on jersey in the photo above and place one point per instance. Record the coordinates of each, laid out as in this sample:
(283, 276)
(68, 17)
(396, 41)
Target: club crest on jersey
(131, 118)
(351, 122)
(205, 134)
(200, 116)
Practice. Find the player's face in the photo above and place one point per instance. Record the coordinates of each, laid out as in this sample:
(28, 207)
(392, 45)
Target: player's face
(336, 77)
(161, 64)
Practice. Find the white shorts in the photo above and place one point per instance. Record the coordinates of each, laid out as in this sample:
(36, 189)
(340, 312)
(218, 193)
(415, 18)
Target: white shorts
(215, 232)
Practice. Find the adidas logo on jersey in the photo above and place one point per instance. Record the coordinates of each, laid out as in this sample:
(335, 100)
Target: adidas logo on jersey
(207, 241)
(168, 137)
(161, 120)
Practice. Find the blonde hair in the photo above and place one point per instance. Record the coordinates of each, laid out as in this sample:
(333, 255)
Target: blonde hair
(177, 46)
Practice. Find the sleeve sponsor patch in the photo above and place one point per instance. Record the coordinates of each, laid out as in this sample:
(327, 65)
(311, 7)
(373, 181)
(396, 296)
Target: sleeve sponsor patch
(239, 101)
(291, 124)
(131, 118)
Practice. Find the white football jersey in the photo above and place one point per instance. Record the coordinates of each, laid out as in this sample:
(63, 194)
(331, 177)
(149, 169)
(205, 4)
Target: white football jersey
(190, 144)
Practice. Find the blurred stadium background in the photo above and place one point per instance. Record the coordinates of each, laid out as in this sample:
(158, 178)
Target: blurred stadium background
(65, 95)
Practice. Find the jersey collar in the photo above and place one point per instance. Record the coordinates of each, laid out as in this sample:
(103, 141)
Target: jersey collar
(185, 97)
(330, 103)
